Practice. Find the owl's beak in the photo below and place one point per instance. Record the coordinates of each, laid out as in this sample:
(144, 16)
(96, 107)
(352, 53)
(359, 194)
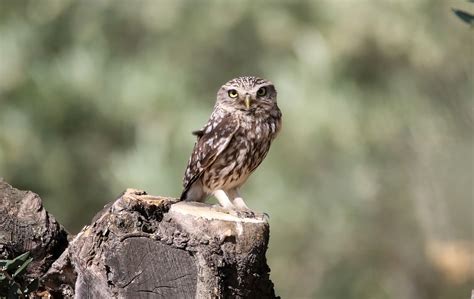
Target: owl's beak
(247, 101)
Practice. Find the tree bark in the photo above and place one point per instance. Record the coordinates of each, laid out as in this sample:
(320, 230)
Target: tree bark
(142, 246)
(25, 226)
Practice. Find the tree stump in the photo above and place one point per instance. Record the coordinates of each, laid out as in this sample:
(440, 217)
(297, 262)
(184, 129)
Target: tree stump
(142, 246)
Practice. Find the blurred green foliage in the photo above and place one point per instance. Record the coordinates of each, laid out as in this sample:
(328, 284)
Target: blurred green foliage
(369, 185)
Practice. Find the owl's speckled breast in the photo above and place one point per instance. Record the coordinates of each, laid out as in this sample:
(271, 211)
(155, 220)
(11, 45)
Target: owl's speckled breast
(247, 149)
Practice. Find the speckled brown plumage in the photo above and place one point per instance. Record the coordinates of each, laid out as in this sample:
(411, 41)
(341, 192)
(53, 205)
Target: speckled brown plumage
(233, 142)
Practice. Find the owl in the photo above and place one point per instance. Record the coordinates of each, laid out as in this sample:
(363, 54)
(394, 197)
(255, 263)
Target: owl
(233, 143)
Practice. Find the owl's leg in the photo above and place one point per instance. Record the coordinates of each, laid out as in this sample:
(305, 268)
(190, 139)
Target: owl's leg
(223, 199)
(241, 208)
(237, 200)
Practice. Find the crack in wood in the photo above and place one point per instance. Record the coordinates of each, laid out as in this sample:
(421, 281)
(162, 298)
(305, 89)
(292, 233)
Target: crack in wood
(135, 235)
(131, 280)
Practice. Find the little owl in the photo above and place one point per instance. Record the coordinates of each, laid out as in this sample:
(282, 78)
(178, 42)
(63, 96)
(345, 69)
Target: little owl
(233, 142)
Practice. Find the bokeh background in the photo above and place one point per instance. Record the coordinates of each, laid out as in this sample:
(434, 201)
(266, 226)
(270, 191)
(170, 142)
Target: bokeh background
(369, 185)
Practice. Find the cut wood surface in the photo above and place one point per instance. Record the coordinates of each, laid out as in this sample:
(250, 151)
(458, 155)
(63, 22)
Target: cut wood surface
(141, 246)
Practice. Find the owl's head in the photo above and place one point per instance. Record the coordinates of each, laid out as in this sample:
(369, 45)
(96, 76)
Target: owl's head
(248, 94)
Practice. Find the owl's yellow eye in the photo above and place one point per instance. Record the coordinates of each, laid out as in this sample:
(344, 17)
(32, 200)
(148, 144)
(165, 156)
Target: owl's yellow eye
(233, 93)
(261, 91)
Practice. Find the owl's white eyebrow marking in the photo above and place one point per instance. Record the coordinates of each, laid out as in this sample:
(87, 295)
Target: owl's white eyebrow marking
(247, 82)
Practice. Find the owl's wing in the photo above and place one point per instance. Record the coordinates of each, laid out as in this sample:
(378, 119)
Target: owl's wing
(211, 141)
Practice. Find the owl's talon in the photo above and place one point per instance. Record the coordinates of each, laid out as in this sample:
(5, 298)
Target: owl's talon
(247, 213)
(261, 216)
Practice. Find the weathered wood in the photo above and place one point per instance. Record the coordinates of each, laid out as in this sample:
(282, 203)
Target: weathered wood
(142, 246)
(231, 254)
(25, 226)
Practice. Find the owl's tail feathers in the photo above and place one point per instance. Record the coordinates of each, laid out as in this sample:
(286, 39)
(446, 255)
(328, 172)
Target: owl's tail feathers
(184, 194)
(193, 192)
